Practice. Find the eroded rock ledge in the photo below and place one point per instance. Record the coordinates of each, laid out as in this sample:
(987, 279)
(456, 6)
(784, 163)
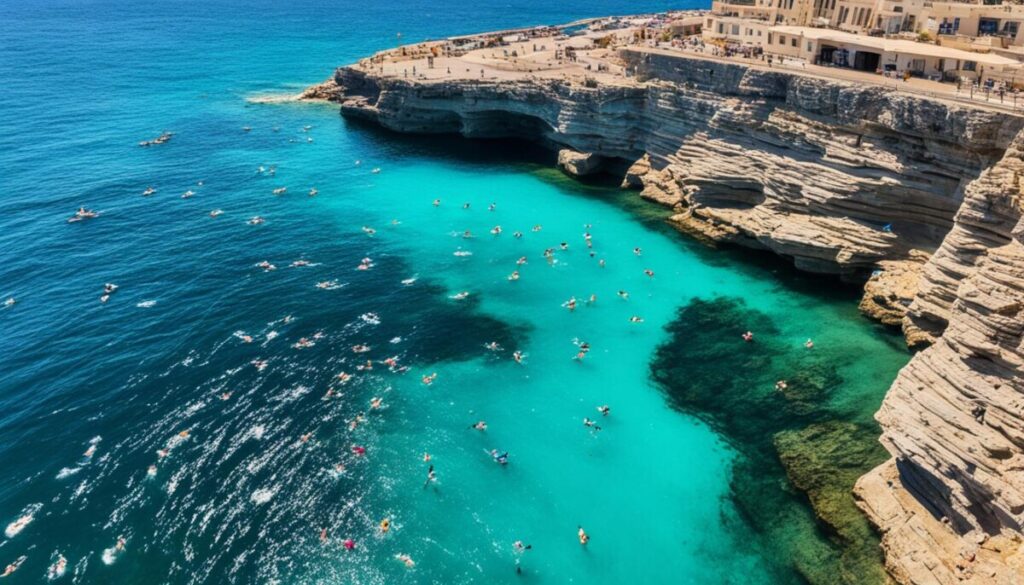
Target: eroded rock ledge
(919, 198)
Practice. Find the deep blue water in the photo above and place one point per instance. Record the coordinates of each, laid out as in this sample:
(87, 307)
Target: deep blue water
(252, 463)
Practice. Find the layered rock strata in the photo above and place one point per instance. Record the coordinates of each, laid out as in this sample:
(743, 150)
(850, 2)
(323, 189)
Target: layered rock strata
(918, 197)
(954, 417)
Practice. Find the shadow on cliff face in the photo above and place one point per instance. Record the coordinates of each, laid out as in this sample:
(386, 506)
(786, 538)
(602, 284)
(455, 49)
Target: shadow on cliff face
(785, 438)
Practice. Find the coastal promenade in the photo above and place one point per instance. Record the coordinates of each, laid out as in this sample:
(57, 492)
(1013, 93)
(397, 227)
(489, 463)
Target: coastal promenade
(548, 57)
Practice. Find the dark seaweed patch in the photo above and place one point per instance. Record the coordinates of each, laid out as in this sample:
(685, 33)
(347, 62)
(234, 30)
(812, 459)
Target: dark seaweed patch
(792, 446)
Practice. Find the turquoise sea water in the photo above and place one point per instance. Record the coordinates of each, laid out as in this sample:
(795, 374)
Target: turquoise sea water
(677, 486)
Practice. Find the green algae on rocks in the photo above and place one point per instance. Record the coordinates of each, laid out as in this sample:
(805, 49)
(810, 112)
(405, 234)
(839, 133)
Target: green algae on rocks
(794, 443)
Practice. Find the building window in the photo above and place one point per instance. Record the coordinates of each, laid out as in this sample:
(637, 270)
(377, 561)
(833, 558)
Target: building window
(970, 65)
(988, 26)
(809, 47)
(735, 29)
(782, 39)
(792, 42)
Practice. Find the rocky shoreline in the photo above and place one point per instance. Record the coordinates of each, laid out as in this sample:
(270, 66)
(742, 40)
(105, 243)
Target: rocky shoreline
(919, 198)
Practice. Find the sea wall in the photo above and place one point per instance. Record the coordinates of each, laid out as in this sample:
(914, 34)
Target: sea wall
(918, 197)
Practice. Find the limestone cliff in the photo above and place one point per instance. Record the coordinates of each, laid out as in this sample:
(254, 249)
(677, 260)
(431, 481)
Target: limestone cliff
(918, 197)
(954, 418)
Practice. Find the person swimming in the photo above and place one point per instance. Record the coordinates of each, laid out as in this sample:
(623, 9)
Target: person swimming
(496, 230)
(636, 319)
(638, 251)
(748, 337)
(437, 202)
(479, 426)
(431, 476)
(514, 276)
(604, 409)
(349, 544)
(590, 424)
(428, 380)
(519, 548)
(781, 385)
(518, 356)
(583, 536)
(623, 295)
(499, 458)
(406, 559)
(571, 304)
(517, 234)
(649, 273)
(385, 525)
(809, 344)
(11, 568)
(521, 261)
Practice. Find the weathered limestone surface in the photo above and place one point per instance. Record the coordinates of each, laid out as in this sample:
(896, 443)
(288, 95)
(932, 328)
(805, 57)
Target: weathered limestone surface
(924, 196)
(954, 417)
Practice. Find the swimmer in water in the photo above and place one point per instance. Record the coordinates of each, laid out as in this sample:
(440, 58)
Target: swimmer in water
(781, 385)
(583, 536)
(536, 228)
(496, 230)
(376, 402)
(493, 346)
(517, 234)
(431, 476)
(514, 276)
(521, 261)
(428, 380)
(649, 273)
(323, 536)
(623, 295)
(604, 410)
(437, 202)
(492, 206)
(809, 344)
(637, 251)
(601, 262)
(518, 356)
(499, 458)
(406, 559)
(358, 450)
(9, 302)
(465, 205)
(349, 544)
(479, 426)
(519, 548)
(571, 304)
(590, 424)
(564, 246)
(748, 337)
(266, 266)
(636, 319)
(11, 568)
(426, 457)
(385, 525)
